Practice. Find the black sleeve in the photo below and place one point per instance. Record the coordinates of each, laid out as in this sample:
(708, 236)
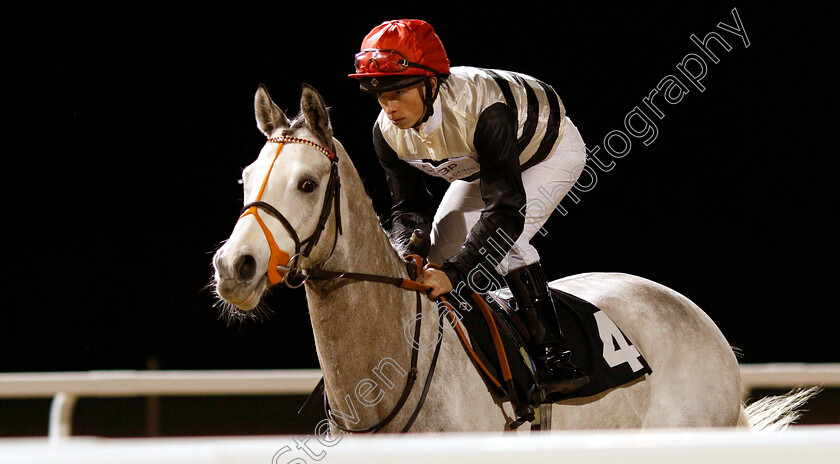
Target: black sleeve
(413, 204)
(501, 189)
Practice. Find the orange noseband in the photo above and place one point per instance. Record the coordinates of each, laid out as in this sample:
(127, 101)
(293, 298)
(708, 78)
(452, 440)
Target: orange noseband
(278, 257)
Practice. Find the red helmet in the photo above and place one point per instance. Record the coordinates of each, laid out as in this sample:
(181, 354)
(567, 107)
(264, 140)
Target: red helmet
(398, 49)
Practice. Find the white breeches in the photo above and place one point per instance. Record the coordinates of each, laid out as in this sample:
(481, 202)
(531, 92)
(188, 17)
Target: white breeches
(545, 184)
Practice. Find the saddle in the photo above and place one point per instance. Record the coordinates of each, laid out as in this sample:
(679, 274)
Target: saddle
(599, 347)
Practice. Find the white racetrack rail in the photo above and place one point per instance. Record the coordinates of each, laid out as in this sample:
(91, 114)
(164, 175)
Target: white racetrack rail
(66, 387)
(806, 444)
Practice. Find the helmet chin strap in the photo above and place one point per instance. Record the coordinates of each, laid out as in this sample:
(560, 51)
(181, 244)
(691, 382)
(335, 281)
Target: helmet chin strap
(428, 101)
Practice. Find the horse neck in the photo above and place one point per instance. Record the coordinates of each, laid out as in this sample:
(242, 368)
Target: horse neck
(363, 245)
(357, 324)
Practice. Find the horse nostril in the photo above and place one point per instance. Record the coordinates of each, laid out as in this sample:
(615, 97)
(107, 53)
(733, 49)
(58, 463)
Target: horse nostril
(246, 268)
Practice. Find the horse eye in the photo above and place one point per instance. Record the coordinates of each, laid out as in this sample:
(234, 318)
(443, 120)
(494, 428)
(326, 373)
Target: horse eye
(307, 185)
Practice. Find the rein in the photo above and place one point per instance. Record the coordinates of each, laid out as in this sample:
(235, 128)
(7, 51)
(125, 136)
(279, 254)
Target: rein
(411, 378)
(411, 285)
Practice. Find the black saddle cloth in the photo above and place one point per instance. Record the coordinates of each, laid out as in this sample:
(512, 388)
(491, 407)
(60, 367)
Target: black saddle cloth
(599, 347)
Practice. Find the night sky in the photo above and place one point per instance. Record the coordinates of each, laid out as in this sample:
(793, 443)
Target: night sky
(126, 129)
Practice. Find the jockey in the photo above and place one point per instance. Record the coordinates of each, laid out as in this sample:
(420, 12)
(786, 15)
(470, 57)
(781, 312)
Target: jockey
(504, 143)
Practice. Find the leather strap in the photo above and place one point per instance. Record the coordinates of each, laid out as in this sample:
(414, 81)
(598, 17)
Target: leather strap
(321, 274)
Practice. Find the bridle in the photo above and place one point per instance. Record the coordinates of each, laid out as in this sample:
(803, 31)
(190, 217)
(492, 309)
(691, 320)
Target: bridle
(279, 259)
(285, 268)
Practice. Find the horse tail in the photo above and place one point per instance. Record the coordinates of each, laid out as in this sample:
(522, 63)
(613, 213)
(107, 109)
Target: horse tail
(776, 413)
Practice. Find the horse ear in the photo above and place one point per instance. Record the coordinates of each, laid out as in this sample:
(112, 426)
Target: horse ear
(316, 114)
(269, 116)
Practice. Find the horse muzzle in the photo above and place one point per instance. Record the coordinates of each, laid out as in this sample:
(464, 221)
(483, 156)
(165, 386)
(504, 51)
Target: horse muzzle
(238, 280)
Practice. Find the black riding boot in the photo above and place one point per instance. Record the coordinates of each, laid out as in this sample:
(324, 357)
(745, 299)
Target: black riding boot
(556, 373)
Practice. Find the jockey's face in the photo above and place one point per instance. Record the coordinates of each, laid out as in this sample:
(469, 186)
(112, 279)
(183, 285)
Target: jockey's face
(404, 107)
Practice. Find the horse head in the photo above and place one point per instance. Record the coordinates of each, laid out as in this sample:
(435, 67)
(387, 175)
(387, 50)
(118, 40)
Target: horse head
(293, 179)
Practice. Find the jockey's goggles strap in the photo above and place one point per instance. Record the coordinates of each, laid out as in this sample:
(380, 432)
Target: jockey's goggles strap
(374, 60)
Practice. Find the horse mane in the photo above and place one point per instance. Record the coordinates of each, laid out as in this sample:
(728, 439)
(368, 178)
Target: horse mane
(400, 246)
(299, 123)
(296, 124)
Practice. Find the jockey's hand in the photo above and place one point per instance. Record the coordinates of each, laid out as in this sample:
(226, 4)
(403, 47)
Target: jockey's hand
(436, 279)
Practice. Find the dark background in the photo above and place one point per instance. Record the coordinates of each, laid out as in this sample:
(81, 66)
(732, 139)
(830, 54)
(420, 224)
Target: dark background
(127, 128)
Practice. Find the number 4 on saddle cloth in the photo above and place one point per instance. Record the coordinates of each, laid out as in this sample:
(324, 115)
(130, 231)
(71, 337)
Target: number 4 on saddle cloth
(598, 346)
